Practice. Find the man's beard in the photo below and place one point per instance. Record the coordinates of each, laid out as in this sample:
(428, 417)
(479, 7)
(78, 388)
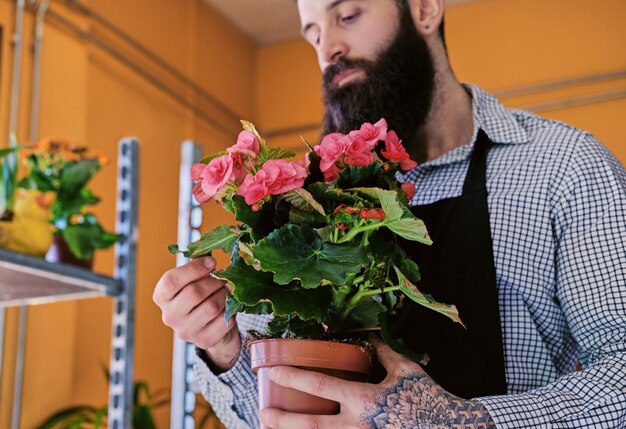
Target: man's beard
(399, 87)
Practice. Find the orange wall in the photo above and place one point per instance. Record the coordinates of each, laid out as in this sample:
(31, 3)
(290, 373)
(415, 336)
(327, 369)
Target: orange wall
(92, 98)
(89, 97)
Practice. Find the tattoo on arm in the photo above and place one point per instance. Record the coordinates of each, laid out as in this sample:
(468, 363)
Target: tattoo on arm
(415, 401)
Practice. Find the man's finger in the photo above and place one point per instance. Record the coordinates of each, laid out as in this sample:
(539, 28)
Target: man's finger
(175, 279)
(314, 383)
(386, 355)
(278, 419)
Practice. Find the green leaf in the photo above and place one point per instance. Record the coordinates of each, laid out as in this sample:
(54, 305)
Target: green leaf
(411, 291)
(212, 157)
(223, 237)
(410, 229)
(83, 239)
(261, 222)
(233, 307)
(75, 176)
(296, 252)
(267, 153)
(366, 176)
(251, 287)
(294, 327)
(367, 310)
(303, 200)
(8, 182)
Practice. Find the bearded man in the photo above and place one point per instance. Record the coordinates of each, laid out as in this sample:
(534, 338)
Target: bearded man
(528, 217)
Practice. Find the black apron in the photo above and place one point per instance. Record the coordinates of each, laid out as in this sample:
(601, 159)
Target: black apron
(458, 269)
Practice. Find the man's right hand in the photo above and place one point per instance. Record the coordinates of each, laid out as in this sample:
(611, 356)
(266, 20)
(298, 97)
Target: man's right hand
(192, 303)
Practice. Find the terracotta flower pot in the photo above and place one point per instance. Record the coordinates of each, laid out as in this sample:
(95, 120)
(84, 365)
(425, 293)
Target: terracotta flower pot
(347, 361)
(59, 253)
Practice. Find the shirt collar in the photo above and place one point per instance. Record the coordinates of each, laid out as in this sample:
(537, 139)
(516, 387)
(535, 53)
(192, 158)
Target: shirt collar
(494, 119)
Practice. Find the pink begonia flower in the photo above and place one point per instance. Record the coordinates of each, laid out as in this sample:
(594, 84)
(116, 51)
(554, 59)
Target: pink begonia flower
(254, 187)
(239, 172)
(196, 171)
(247, 145)
(199, 194)
(330, 150)
(358, 152)
(408, 189)
(372, 214)
(216, 174)
(372, 134)
(332, 173)
(395, 152)
(285, 175)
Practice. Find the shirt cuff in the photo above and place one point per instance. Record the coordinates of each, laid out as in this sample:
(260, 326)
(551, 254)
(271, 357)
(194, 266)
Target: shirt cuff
(516, 411)
(233, 393)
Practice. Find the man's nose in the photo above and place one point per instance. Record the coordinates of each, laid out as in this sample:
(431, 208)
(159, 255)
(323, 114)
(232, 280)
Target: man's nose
(331, 50)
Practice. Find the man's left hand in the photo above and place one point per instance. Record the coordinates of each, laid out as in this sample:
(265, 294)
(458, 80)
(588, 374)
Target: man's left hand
(407, 397)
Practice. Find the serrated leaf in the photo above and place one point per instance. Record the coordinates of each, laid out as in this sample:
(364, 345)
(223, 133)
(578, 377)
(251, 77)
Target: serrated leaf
(233, 307)
(223, 237)
(367, 311)
(411, 229)
(425, 300)
(212, 157)
(251, 287)
(266, 153)
(174, 250)
(303, 200)
(296, 252)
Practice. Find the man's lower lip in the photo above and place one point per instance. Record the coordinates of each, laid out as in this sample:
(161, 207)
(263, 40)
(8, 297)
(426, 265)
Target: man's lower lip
(347, 77)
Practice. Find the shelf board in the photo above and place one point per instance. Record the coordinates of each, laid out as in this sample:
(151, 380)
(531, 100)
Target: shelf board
(25, 280)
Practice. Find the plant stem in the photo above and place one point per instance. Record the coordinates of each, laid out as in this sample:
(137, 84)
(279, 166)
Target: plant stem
(354, 232)
(354, 301)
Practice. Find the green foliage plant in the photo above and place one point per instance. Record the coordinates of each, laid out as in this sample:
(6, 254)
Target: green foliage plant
(318, 242)
(64, 169)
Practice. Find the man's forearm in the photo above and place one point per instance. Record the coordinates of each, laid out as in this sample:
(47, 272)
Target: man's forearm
(416, 401)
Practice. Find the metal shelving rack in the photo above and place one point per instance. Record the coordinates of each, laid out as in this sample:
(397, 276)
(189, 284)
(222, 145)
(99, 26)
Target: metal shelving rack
(25, 280)
(184, 387)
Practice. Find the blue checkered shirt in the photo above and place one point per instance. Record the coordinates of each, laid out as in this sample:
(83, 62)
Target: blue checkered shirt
(557, 207)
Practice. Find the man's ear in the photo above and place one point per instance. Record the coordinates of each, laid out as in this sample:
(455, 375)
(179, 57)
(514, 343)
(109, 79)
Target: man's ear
(427, 15)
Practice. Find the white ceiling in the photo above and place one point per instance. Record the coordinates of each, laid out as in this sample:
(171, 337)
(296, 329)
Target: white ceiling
(268, 21)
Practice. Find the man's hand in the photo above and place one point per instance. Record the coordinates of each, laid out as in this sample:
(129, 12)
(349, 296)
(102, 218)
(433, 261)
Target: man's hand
(406, 398)
(192, 303)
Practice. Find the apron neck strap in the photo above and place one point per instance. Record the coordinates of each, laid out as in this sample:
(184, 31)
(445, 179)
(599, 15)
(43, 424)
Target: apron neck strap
(476, 175)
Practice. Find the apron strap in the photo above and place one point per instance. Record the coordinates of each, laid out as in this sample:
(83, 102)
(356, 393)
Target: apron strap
(476, 180)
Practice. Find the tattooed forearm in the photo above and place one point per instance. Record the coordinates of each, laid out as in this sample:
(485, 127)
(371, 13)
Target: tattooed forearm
(415, 401)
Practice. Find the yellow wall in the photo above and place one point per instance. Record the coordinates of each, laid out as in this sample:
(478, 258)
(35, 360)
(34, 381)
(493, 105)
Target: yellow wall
(90, 97)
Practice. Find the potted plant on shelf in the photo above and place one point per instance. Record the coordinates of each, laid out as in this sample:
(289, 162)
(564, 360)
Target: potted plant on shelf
(318, 245)
(63, 169)
(24, 226)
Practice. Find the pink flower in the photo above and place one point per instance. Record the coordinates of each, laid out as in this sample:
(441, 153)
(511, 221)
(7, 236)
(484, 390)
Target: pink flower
(247, 145)
(196, 171)
(358, 152)
(332, 173)
(395, 152)
(330, 150)
(254, 188)
(285, 176)
(372, 134)
(409, 189)
(199, 194)
(214, 175)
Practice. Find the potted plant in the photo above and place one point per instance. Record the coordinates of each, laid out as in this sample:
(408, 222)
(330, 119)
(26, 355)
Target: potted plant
(318, 245)
(63, 169)
(24, 226)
